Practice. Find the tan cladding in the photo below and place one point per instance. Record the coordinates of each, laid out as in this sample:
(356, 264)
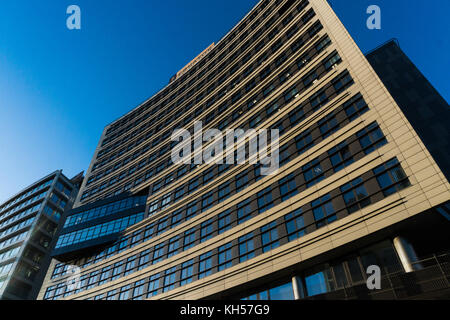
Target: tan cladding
(429, 188)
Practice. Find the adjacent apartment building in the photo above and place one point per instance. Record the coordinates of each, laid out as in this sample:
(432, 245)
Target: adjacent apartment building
(29, 224)
(359, 184)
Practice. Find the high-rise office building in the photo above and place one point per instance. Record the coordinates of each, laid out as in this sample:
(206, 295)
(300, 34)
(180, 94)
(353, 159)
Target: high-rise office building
(29, 224)
(356, 187)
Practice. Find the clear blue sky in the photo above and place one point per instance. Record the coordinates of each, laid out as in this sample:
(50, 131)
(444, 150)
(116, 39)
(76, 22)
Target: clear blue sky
(59, 88)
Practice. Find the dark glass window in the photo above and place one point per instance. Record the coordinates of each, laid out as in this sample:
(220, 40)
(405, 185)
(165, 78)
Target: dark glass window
(241, 181)
(391, 177)
(355, 107)
(265, 201)
(288, 187)
(244, 211)
(225, 256)
(187, 270)
(153, 286)
(205, 265)
(206, 230)
(371, 138)
(355, 195)
(313, 173)
(224, 221)
(328, 126)
(189, 239)
(246, 247)
(174, 246)
(224, 192)
(269, 237)
(340, 157)
(323, 211)
(303, 141)
(295, 225)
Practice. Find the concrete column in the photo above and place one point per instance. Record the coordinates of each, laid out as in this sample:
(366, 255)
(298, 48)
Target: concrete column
(406, 253)
(297, 285)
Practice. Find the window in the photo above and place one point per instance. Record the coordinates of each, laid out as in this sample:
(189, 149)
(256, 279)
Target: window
(148, 233)
(391, 177)
(104, 275)
(209, 175)
(224, 221)
(129, 267)
(283, 292)
(241, 181)
(144, 259)
(342, 83)
(268, 90)
(265, 201)
(111, 294)
(269, 237)
(174, 245)
(176, 218)
(288, 187)
(224, 192)
(310, 78)
(206, 230)
(328, 126)
(340, 157)
(318, 100)
(246, 247)
(323, 44)
(335, 59)
(371, 138)
(189, 239)
(271, 109)
(153, 286)
(290, 94)
(187, 269)
(225, 256)
(313, 173)
(124, 292)
(117, 271)
(207, 201)
(295, 225)
(179, 192)
(355, 195)
(355, 107)
(136, 238)
(166, 201)
(244, 211)
(169, 279)
(319, 282)
(255, 121)
(205, 265)
(193, 185)
(303, 141)
(93, 278)
(297, 115)
(191, 210)
(323, 211)
(158, 253)
(153, 207)
(163, 225)
(138, 290)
